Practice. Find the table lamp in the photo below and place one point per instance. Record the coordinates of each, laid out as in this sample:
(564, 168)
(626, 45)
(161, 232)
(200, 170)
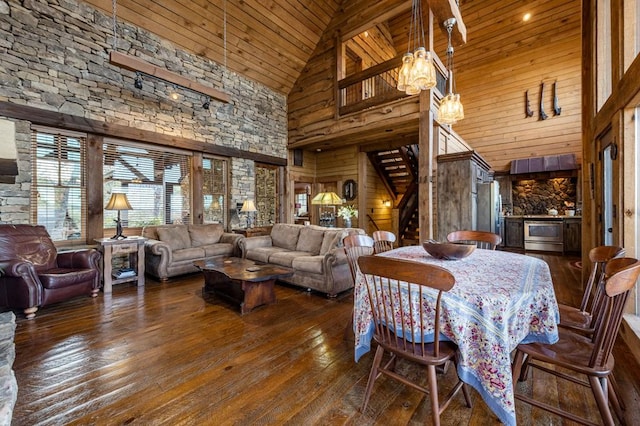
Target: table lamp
(118, 201)
(327, 200)
(248, 207)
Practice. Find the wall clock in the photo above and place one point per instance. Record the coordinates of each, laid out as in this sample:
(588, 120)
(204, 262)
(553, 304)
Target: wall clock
(349, 190)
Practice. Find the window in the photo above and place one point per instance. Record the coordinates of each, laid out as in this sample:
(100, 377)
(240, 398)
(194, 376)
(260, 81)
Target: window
(214, 190)
(157, 183)
(58, 194)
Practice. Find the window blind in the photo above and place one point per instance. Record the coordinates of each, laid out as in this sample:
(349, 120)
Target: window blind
(58, 192)
(157, 183)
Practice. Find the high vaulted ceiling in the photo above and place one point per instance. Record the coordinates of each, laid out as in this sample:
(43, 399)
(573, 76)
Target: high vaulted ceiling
(268, 41)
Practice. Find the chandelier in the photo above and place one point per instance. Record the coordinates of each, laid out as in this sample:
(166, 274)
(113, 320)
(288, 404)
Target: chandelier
(417, 72)
(451, 109)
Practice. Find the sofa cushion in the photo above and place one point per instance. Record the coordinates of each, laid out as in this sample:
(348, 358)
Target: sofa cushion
(176, 237)
(261, 254)
(332, 239)
(220, 249)
(202, 235)
(286, 258)
(310, 240)
(194, 253)
(311, 264)
(285, 236)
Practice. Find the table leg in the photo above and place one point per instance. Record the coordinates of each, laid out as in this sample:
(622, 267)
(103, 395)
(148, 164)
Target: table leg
(107, 269)
(256, 294)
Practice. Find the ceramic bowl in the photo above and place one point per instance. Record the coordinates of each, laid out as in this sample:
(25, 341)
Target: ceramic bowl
(448, 251)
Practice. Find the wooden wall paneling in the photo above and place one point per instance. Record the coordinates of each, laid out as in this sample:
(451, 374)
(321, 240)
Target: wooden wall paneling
(94, 188)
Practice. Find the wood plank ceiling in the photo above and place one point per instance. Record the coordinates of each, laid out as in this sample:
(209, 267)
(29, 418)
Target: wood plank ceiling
(267, 41)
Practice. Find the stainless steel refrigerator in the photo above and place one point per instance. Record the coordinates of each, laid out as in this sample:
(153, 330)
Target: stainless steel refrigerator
(489, 207)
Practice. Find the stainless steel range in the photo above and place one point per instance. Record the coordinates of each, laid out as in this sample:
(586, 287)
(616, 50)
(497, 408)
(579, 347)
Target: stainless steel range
(544, 235)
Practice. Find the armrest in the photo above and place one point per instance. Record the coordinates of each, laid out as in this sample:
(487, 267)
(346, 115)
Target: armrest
(233, 239)
(17, 268)
(86, 259)
(250, 243)
(157, 248)
(335, 256)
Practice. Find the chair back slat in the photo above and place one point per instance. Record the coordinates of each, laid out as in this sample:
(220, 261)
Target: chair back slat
(354, 247)
(599, 256)
(482, 239)
(393, 286)
(383, 241)
(620, 277)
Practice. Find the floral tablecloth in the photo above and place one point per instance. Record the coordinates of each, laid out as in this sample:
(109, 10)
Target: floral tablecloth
(500, 299)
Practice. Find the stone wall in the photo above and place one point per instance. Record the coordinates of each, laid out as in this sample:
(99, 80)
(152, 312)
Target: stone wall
(538, 196)
(8, 384)
(55, 56)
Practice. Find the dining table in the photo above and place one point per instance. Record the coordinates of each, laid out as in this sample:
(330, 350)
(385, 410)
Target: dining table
(500, 299)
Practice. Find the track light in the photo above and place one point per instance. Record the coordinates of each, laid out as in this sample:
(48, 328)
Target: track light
(207, 103)
(138, 81)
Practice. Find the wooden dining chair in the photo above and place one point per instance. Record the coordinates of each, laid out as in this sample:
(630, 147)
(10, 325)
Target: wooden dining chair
(354, 247)
(581, 318)
(577, 354)
(383, 241)
(482, 239)
(399, 330)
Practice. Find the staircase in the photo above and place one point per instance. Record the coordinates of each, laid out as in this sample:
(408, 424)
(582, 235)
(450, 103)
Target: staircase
(398, 170)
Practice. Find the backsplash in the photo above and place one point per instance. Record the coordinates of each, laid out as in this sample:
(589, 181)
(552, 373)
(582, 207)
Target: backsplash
(538, 196)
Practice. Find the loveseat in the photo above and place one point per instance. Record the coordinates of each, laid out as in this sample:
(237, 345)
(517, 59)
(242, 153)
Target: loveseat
(314, 253)
(170, 250)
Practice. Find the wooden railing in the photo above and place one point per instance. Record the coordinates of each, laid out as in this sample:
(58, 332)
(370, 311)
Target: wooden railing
(377, 85)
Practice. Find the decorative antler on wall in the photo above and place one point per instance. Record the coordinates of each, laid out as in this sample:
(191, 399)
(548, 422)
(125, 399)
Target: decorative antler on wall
(556, 107)
(543, 115)
(527, 105)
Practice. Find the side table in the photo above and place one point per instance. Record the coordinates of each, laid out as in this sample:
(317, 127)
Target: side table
(256, 231)
(131, 246)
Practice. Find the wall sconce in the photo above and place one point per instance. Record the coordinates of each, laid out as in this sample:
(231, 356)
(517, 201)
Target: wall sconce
(386, 203)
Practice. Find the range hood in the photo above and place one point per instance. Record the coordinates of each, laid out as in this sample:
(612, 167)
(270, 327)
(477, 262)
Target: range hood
(546, 164)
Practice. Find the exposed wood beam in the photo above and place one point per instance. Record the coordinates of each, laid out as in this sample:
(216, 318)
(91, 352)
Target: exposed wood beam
(135, 64)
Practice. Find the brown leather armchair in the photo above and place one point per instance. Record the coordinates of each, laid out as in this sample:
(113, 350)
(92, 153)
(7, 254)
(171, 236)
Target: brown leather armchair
(34, 274)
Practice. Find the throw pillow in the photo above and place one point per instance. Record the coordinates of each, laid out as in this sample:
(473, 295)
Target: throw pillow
(204, 235)
(176, 237)
(310, 240)
(285, 236)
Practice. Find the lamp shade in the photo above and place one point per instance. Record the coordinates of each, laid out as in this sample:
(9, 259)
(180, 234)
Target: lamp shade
(118, 201)
(248, 206)
(327, 198)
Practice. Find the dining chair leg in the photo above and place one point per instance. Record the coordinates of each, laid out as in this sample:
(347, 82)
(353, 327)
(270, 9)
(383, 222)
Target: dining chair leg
(433, 391)
(516, 368)
(465, 387)
(616, 403)
(599, 387)
(615, 390)
(373, 375)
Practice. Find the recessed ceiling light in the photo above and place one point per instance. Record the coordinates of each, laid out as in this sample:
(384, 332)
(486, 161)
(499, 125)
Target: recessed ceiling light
(526, 17)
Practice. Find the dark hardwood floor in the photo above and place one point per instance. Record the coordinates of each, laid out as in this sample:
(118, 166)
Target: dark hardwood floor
(166, 354)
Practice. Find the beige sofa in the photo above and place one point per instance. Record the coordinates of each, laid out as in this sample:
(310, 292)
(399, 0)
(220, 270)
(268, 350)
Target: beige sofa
(171, 249)
(313, 252)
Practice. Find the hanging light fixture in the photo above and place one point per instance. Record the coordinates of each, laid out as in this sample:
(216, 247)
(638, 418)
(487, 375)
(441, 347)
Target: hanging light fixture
(451, 110)
(417, 72)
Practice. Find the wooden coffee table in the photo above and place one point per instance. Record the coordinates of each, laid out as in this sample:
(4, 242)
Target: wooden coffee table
(243, 282)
